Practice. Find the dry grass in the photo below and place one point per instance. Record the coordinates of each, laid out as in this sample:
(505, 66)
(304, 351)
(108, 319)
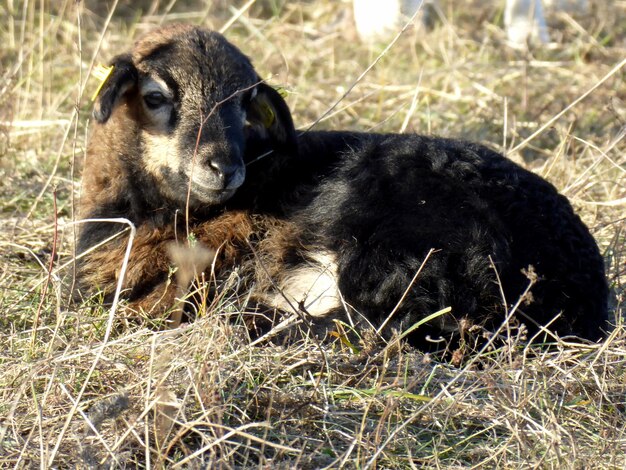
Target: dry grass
(201, 396)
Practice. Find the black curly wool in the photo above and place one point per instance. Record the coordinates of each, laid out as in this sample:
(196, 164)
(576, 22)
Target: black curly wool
(382, 203)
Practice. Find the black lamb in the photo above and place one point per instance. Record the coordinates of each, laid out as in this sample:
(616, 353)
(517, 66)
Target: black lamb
(370, 228)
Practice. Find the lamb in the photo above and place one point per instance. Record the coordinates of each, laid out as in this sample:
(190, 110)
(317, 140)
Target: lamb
(379, 229)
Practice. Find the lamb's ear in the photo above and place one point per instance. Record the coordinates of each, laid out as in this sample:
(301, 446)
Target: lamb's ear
(121, 79)
(269, 113)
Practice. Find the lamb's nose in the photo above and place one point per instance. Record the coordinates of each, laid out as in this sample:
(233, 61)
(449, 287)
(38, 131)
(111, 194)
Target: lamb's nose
(224, 173)
(229, 175)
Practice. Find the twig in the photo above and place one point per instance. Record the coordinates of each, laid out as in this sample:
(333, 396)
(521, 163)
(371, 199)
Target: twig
(107, 333)
(203, 121)
(406, 292)
(74, 115)
(236, 16)
(44, 290)
(369, 67)
(525, 142)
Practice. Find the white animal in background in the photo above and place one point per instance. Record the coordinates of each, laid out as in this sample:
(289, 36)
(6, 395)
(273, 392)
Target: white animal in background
(524, 20)
(377, 20)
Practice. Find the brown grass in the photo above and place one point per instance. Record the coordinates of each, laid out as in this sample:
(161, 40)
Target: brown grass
(202, 396)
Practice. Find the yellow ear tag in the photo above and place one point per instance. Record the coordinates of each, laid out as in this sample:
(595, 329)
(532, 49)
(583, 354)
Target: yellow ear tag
(101, 72)
(267, 115)
(282, 91)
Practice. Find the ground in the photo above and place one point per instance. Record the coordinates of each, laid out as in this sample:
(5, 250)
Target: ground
(80, 387)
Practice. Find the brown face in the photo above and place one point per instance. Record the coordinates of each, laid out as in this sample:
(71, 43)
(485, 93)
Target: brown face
(192, 94)
(192, 106)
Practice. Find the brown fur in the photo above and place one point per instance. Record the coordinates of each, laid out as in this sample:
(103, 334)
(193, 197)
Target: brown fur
(101, 183)
(231, 236)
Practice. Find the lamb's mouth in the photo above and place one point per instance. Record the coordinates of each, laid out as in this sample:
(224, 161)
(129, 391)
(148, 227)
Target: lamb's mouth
(211, 195)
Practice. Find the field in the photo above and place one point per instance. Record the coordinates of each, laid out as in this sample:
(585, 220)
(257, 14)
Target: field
(79, 388)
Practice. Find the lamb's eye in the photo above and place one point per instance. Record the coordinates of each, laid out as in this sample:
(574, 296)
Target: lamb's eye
(154, 99)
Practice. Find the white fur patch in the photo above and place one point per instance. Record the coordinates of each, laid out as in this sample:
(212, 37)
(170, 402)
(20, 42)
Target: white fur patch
(160, 151)
(160, 145)
(312, 287)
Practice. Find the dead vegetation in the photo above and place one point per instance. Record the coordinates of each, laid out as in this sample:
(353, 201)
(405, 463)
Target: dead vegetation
(81, 388)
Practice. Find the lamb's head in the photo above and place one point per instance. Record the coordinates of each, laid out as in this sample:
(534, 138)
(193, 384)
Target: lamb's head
(191, 99)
